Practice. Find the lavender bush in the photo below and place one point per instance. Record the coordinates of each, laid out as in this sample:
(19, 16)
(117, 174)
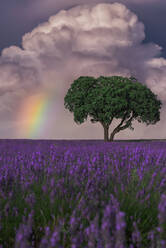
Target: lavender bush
(82, 194)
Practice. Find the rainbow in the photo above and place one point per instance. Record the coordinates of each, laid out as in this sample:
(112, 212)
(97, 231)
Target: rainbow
(34, 114)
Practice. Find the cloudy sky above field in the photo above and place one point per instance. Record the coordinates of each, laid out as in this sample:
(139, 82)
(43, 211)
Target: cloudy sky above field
(46, 45)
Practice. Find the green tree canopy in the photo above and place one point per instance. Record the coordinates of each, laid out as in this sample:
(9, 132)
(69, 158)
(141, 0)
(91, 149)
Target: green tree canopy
(106, 98)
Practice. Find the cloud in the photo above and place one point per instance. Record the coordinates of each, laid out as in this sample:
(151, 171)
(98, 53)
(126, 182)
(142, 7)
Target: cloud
(41, 9)
(42, 6)
(87, 40)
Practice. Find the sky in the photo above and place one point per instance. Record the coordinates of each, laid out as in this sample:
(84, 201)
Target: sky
(46, 45)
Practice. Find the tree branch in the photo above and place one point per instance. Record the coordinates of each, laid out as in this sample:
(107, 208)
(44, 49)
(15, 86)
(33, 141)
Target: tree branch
(127, 123)
(118, 128)
(122, 119)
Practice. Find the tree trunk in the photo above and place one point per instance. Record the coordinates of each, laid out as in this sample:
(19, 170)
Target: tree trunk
(112, 136)
(106, 134)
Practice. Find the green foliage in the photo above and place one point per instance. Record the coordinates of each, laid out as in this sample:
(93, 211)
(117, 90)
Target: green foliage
(106, 98)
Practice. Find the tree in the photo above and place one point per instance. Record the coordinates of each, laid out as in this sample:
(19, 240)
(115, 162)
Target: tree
(106, 98)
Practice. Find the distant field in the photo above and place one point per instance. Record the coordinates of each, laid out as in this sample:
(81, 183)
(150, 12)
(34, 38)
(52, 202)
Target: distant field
(95, 140)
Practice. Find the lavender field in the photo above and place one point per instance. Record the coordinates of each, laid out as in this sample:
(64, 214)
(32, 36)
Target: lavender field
(82, 194)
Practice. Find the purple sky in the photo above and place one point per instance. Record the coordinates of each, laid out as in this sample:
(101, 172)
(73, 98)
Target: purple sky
(40, 56)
